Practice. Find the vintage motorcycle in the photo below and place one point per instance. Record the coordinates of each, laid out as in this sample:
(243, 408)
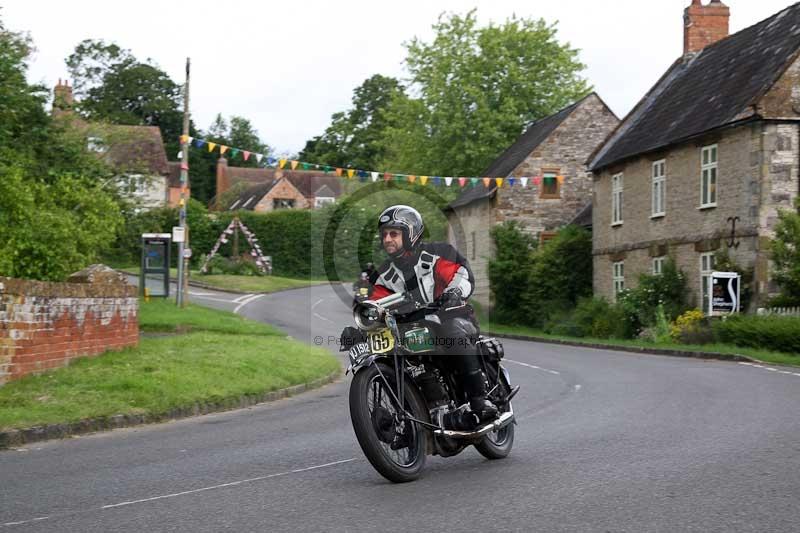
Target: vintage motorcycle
(403, 404)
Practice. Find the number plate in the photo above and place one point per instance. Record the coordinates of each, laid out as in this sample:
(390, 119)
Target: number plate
(381, 341)
(357, 351)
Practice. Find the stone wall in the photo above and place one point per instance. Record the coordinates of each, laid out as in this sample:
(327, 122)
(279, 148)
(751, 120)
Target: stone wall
(564, 151)
(45, 325)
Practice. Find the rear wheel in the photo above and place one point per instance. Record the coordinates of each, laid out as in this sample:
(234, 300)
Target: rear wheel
(396, 448)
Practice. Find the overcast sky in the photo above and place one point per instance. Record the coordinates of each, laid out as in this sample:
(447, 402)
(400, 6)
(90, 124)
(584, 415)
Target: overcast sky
(288, 66)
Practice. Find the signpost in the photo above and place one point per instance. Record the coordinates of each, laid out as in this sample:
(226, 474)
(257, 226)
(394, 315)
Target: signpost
(725, 290)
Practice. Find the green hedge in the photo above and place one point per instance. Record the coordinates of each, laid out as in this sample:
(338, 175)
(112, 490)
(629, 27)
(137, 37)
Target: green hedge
(781, 334)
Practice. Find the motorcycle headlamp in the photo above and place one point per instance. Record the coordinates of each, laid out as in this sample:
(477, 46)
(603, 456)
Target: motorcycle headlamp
(367, 316)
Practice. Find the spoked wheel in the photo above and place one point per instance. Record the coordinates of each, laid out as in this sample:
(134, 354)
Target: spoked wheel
(395, 447)
(498, 444)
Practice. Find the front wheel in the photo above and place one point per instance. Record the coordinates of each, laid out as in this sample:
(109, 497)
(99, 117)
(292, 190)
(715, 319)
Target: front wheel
(396, 448)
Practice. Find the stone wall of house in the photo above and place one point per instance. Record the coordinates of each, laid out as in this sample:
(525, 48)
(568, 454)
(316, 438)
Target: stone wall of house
(45, 325)
(468, 232)
(283, 190)
(757, 175)
(565, 151)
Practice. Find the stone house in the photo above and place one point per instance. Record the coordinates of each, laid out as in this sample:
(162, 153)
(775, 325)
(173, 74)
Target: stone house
(706, 159)
(551, 156)
(136, 153)
(265, 189)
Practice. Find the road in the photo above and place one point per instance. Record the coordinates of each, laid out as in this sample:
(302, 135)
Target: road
(606, 441)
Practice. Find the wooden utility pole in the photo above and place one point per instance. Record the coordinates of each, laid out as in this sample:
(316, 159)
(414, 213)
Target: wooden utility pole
(183, 261)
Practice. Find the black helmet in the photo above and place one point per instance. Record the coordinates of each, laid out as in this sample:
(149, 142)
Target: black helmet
(405, 218)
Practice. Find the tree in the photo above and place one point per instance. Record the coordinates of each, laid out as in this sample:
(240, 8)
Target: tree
(786, 256)
(354, 138)
(476, 91)
(55, 215)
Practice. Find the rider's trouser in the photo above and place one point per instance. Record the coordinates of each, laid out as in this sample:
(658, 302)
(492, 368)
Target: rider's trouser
(458, 337)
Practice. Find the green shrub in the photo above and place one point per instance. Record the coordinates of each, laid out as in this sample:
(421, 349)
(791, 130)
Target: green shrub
(786, 255)
(238, 267)
(509, 271)
(779, 333)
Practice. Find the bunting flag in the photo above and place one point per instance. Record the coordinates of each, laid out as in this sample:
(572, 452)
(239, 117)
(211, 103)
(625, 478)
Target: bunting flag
(364, 175)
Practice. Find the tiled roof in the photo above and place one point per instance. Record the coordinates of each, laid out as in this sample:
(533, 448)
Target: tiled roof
(250, 197)
(137, 149)
(516, 154)
(716, 87)
(584, 217)
(308, 182)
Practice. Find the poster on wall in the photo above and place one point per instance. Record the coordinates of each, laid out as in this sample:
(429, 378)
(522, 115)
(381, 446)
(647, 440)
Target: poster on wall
(725, 289)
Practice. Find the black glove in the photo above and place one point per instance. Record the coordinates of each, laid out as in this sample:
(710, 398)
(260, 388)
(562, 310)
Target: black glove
(450, 298)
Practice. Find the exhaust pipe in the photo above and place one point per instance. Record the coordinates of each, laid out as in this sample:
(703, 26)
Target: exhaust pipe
(504, 420)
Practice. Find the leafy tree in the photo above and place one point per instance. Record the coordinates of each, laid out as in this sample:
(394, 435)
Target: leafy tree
(477, 89)
(354, 138)
(786, 256)
(55, 215)
(510, 270)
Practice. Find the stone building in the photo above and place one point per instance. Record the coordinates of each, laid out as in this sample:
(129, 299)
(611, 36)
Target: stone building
(265, 189)
(706, 159)
(551, 155)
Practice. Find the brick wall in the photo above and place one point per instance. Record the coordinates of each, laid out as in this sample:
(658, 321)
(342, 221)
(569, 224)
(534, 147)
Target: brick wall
(44, 325)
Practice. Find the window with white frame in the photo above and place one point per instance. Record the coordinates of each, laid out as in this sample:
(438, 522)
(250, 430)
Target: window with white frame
(618, 276)
(706, 268)
(659, 178)
(708, 176)
(658, 265)
(616, 199)
(319, 201)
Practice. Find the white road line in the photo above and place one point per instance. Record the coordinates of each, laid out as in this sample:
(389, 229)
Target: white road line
(754, 365)
(533, 366)
(201, 293)
(242, 303)
(316, 304)
(183, 493)
(213, 299)
(323, 318)
(240, 298)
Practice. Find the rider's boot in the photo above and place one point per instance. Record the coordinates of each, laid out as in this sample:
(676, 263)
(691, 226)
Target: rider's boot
(475, 386)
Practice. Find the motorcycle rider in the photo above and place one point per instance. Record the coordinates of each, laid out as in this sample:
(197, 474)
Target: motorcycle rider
(434, 273)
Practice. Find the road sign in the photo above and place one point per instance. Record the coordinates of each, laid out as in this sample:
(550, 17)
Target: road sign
(178, 234)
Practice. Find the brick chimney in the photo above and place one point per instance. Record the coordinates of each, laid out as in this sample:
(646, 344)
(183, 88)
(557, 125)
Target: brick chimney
(62, 98)
(704, 25)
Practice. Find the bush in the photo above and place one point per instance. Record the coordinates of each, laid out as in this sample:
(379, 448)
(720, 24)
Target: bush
(786, 255)
(778, 333)
(510, 271)
(692, 327)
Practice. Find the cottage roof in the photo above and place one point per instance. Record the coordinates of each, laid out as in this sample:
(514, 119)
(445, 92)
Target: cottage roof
(515, 154)
(308, 182)
(137, 149)
(715, 87)
(249, 197)
(584, 217)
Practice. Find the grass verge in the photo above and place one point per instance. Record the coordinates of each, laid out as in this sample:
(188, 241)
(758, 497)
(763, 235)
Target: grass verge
(778, 358)
(241, 283)
(216, 361)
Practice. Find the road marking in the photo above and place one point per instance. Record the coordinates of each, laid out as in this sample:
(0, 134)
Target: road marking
(240, 298)
(323, 318)
(577, 387)
(201, 293)
(244, 302)
(183, 493)
(213, 299)
(770, 369)
(533, 366)
(316, 304)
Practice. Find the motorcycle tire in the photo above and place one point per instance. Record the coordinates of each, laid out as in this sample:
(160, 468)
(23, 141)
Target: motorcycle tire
(498, 444)
(374, 426)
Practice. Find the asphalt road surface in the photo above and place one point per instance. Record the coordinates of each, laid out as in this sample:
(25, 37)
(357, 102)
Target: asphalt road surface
(606, 441)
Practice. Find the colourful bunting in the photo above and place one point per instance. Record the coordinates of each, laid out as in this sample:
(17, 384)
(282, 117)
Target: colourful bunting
(350, 173)
(199, 143)
(339, 172)
(524, 181)
(305, 166)
(281, 163)
(259, 157)
(387, 176)
(560, 179)
(537, 180)
(499, 182)
(473, 181)
(510, 182)
(246, 155)
(184, 139)
(294, 164)
(423, 180)
(234, 152)
(211, 146)
(412, 179)
(461, 181)
(222, 149)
